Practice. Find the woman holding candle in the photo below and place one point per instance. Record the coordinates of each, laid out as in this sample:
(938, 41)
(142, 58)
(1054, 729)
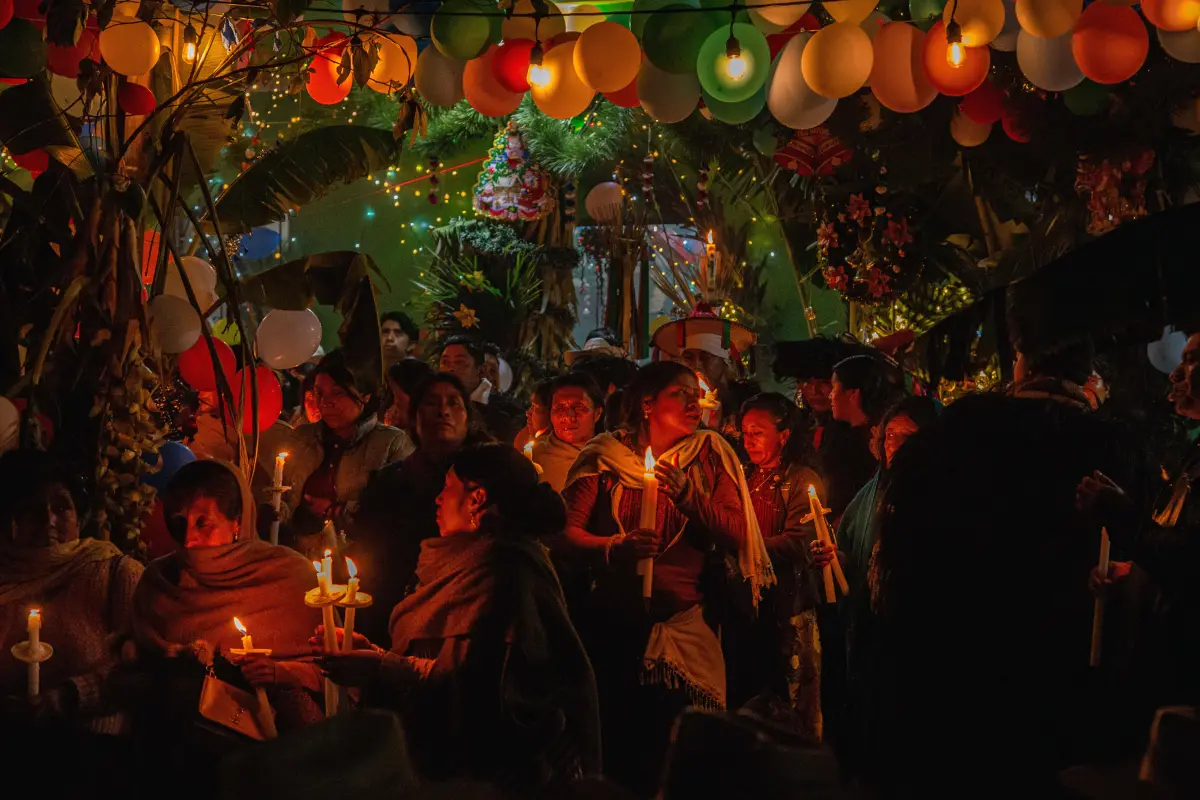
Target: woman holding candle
(656, 656)
(485, 668)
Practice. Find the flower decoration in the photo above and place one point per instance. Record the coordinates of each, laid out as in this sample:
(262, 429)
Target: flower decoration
(859, 208)
(897, 232)
(474, 281)
(827, 236)
(466, 316)
(877, 282)
(837, 279)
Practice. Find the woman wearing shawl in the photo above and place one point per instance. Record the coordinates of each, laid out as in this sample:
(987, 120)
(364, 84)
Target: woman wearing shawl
(485, 669)
(653, 659)
(575, 408)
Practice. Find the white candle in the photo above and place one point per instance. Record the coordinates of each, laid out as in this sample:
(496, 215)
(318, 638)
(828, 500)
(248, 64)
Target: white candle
(327, 569)
(322, 580)
(247, 640)
(528, 449)
(34, 669)
(352, 583)
(277, 494)
(1098, 604)
(832, 570)
(648, 520)
(331, 689)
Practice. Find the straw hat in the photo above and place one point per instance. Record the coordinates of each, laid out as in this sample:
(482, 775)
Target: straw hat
(704, 330)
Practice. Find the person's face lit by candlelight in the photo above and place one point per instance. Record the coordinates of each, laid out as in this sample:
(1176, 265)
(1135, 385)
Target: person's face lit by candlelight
(312, 408)
(537, 416)
(459, 362)
(1185, 381)
(441, 418)
(899, 428)
(763, 439)
(815, 392)
(675, 411)
(339, 408)
(459, 506)
(46, 518)
(574, 415)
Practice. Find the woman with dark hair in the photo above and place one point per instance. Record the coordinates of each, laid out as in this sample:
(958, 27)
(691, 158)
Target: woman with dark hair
(403, 379)
(778, 650)
(655, 656)
(397, 512)
(329, 461)
(485, 668)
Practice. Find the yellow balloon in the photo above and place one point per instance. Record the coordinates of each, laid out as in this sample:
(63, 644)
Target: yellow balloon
(981, 20)
(129, 47)
(837, 60)
(582, 17)
(607, 57)
(397, 61)
(851, 10)
(776, 17)
(967, 132)
(523, 27)
(1171, 15)
(1048, 19)
(561, 94)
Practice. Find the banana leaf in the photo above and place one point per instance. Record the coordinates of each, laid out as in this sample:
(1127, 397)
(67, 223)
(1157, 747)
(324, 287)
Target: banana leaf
(341, 279)
(300, 171)
(30, 119)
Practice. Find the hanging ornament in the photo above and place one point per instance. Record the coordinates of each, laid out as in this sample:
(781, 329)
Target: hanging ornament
(510, 187)
(813, 153)
(648, 177)
(433, 180)
(702, 189)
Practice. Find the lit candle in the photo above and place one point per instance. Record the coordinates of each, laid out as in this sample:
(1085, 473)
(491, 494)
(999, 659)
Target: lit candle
(351, 592)
(833, 569)
(322, 580)
(34, 670)
(277, 494)
(1098, 607)
(34, 628)
(528, 449)
(247, 641)
(266, 716)
(710, 254)
(327, 569)
(352, 584)
(648, 520)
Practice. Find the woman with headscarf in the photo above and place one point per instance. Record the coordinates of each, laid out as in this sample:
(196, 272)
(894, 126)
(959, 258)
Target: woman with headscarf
(403, 379)
(485, 668)
(654, 658)
(329, 461)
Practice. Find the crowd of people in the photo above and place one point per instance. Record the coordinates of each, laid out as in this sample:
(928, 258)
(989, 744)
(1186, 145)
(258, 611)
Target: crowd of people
(622, 586)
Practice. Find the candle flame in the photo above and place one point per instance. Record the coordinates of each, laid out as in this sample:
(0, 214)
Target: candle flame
(282, 456)
(351, 568)
(703, 383)
(650, 462)
(710, 236)
(328, 552)
(812, 490)
(35, 612)
(237, 623)
(317, 566)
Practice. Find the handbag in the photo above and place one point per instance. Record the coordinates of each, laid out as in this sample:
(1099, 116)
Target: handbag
(230, 707)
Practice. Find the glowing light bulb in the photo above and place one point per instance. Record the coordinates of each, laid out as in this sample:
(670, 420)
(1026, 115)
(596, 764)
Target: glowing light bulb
(538, 76)
(190, 40)
(737, 65)
(956, 54)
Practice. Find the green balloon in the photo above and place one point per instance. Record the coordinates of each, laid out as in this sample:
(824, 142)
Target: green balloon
(638, 21)
(1087, 99)
(22, 50)
(465, 37)
(737, 112)
(765, 141)
(672, 42)
(712, 64)
(925, 13)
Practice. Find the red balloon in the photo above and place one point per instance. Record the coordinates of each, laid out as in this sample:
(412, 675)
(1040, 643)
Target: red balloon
(511, 64)
(330, 46)
(1110, 43)
(13, 81)
(196, 366)
(270, 398)
(954, 81)
(985, 105)
(133, 98)
(625, 98)
(47, 425)
(34, 160)
(64, 60)
(1016, 126)
(6, 12)
(323, 84)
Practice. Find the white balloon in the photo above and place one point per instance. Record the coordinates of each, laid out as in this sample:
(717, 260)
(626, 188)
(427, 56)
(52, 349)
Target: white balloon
(1167, 353)
(967, 132)
(287, 339)
(1006, 41)
(604, 201)
(1181, 45)
(665, 96)
(439, 78)
(789, 97)
(1048, 63)
(201, 276)
(506, 376)
(10, 425)
(174, 324)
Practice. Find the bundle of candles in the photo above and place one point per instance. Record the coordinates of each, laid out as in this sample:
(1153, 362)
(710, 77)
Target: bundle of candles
(327, 595)
(833, 569)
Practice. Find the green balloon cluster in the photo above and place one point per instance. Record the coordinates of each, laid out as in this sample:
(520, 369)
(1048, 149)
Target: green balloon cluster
(925, 13)
(22, 50)
(672, 42)
(465, 37)
(717, 73)
(737, 112)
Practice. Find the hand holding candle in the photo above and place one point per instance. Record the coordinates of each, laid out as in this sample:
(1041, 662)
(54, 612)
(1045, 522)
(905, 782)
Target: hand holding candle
(277, 494)
(33, 652)
(833, 569)
(1098, 607)
(648, 520)
(265, 715)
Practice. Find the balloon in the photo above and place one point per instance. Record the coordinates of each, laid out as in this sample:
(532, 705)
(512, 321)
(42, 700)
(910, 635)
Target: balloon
(736, 113)
(260, 243)
(582, 17)
(196, 365)
(10, 423)
(64, 60)
(33, 161)
(1049, 19)
(464, 37)
(967, 132)
(1048, 63)
(6, 15)
(133, 98)
(522, 27)
(201, 276)
(1006, 42)
(1016, 126)
(667, 97)
(1172, 15)
(954, 81)
(721, 76)
(765, 141)
(626, 97)
(439, 78)
(981, 20)
(850, 10)
(22, 51)
(604, 201)
(673, 41)
(483, 91)
(607, 57)
(170, 458)
(506, 375)
(1110, 43)
(417, 17)
(1086, 99)
(1167, 353)
(227, 331)
(1181, 45)
(926, 12)
(174, 324)
(287, 339)
(791, 101)
(874, 23)
(771, 18)
(397, 61)
(564, 95)
(985, 105)
(511, 64)
(323, 83)
(129, 47)
(837, 60)
(637, 22)
(898, 75)
(270, 398)
(373, 11)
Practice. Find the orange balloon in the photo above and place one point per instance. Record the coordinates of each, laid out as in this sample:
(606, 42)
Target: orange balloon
(483, 91)
(561, 94)
(323, 85)
(837, 60)
(898, 78)
(1049, 19)
(981, 20)
(1110, 43)
(607, 57)
(954, 81)
(1172, 15)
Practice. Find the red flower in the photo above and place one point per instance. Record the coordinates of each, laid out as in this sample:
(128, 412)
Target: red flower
(827, 235)
(836, 278)
(877, 282)
(859, 208)
(897, 232)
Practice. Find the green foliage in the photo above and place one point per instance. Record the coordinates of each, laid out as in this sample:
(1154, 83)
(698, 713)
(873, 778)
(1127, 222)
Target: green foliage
(453, 131)
(467, 294)
(573, 147)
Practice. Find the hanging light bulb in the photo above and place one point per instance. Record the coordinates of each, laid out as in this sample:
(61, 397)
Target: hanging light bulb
(538, 75)
(956, 53)
(737, 65)
(190, 40)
